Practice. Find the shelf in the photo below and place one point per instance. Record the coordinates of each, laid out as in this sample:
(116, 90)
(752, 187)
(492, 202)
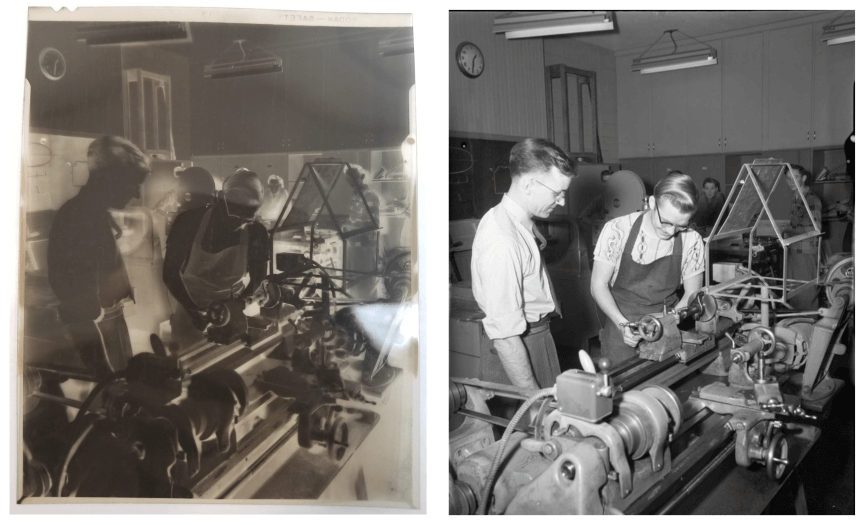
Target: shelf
(391, 180)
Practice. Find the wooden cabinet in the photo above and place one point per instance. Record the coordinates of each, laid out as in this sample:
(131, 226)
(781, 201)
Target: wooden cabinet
(634, 110)
(779, 89)
(789, 70)
(669, 113)
(703, 103)
(833, 91)
(742, 85)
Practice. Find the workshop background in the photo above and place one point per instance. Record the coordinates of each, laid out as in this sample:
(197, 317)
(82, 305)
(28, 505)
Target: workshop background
(778, 90)
(342, 93)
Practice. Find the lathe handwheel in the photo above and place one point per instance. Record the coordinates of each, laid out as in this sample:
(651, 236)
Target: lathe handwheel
(776, 457)
(650, 328)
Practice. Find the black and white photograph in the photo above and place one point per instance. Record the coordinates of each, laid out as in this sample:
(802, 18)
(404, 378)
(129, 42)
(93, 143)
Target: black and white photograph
(651, 237)
(218, 288)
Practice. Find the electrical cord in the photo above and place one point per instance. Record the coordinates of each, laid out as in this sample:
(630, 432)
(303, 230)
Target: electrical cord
(85, 406)
(500, 453)
(72, 450)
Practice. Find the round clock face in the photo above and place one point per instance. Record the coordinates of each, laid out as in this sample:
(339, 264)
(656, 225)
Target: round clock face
(470, 60)
(52, 63)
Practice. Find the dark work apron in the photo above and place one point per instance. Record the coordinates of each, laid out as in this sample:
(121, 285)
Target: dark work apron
(640, 289)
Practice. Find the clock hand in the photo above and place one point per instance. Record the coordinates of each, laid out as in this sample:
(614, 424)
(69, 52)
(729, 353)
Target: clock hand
(473, 63)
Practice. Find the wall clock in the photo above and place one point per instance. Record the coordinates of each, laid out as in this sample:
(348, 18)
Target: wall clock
(470, 60)
(52, 63)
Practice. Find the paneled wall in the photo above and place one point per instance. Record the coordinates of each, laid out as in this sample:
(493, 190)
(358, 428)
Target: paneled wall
(602, 61)
(508, 98)
(88, 98)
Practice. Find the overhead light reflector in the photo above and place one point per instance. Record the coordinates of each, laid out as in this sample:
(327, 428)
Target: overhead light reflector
(705, 56)
(548, 23)
(839, 32)
(396, 45)
(114, 33)
(249, 61)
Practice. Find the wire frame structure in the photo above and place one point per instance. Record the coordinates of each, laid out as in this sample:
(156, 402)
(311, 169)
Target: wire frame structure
(746, 206)
(328, 220)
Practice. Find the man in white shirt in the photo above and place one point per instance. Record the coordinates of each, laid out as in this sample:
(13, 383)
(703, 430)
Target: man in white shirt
(642, 258)
(510, 281)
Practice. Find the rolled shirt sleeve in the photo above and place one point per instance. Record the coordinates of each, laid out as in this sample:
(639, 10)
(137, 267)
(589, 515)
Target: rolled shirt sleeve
(497, 284)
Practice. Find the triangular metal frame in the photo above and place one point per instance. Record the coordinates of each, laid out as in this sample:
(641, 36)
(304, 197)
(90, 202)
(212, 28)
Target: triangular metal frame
(783, 285)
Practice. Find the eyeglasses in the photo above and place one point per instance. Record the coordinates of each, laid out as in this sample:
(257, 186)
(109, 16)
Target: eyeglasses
(667, 224)
(560, 195)
(239, 211)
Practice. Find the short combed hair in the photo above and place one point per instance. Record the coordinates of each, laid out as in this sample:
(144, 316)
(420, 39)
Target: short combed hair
(713, 181)
(110, 158)
(539, 155)
(680, 190)
(801, 169)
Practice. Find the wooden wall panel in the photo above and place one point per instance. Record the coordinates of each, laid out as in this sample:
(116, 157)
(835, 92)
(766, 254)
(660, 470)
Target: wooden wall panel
(508, 98)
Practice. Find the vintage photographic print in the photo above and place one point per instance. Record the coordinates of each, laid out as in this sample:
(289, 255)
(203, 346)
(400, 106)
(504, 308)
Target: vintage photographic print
(218, 289)
(651, 262)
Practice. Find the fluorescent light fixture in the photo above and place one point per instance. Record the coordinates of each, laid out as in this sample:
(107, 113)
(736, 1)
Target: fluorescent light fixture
(839, 33)
(114, 33)
(252, 61)
(397, 45)
(705, 56)
(547, 23)
(675, 61)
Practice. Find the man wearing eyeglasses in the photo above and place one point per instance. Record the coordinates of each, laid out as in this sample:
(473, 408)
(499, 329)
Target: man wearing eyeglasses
(210, 249)
(642, 259)
(510, 281)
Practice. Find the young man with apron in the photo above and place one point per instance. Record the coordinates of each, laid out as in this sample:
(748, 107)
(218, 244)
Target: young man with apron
(642, 259)
(211, 249)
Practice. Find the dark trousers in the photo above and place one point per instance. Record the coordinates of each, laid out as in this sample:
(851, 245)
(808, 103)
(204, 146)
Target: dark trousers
(103, 344)
(542, 353)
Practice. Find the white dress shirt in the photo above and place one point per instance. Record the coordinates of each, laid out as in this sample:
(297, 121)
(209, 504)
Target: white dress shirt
(510, 281)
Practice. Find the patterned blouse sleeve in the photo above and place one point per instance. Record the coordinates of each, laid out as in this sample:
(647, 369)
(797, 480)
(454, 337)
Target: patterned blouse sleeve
(611, 241)
(693, 258)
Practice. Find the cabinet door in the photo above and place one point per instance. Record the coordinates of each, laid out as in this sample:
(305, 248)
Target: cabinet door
(634, 110)
(669, 113)
(790, 72)
(742, 68)
(703, 104)
(833, 91)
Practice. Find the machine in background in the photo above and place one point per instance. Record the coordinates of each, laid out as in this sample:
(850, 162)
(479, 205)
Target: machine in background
(735, 378)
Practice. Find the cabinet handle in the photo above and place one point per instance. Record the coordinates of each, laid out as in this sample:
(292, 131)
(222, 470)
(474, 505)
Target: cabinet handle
(808, 136)
(719, 143)
(814, 137)
(649, 147)
(725, 141)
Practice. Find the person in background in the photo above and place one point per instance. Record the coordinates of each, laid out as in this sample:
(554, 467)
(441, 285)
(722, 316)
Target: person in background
(642, 259)
(510, 281)
(210, 249)
(195, 188)
(274, 199)
(803, 256)
(709, 206)
(85, 268)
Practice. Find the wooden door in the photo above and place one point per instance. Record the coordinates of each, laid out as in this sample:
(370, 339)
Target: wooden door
(669, 112)
(703, 126)
(833, 91)
(742, 86)
(790, 71)
(634, 93)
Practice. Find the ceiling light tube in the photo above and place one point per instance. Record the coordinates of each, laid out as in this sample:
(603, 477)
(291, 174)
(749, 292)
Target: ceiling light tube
(536, 24)
(703, 57)
(842, 33)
